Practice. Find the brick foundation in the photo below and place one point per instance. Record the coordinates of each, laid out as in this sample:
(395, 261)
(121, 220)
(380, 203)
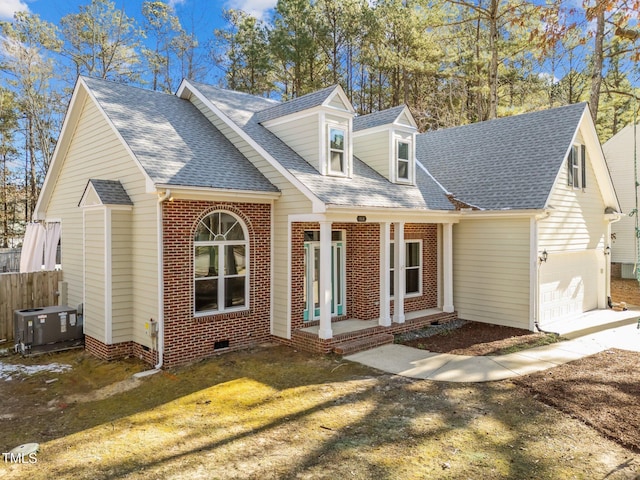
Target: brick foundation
(118, 351)
(310, 342)
(616, 270)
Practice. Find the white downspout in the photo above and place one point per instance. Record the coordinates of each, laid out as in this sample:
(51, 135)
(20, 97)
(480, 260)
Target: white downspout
(160, 333)
(611, 218)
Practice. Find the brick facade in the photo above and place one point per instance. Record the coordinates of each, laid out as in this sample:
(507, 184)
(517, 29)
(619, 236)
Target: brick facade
(186, 337)
(362, 269)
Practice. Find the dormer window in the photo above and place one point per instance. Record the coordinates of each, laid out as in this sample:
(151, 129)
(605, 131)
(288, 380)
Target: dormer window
(577, 167)
(337, 151)
(402, 161)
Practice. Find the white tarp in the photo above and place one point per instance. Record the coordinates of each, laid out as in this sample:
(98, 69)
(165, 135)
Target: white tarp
(51, 245)
(32, 248)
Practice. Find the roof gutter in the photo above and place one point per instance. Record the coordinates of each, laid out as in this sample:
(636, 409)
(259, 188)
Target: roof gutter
(538, 214)
(211, 193)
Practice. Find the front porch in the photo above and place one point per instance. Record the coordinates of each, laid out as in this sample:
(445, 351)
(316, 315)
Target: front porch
(353, 335)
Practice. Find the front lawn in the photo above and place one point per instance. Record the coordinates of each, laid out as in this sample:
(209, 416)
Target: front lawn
(274, 413)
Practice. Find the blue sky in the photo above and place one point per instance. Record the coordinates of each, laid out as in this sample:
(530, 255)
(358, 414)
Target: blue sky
(199, 16)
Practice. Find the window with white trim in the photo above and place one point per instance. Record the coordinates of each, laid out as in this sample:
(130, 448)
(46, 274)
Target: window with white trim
(337, 151)
(403, 164)
(221, 264)
(577, 167)
(413, 268)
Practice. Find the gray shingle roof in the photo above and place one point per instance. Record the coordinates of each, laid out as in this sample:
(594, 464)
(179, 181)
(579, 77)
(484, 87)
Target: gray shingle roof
(508, 163)
(384, 117)
(367, 188)
(295, 105)
(110, 192)
(173, 141)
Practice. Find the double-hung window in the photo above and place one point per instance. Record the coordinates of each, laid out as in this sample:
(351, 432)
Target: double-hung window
(403, 165)
(577, 167)
(413, 268)
(221, 264)
(337, 151)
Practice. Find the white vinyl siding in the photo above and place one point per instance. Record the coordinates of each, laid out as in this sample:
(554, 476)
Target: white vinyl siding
(373, 149)
(491, 271)
(291, 202)
(96, 152)
(121, 277)
(576, 219)
(619, 154)
(94, 276)
(302, 136)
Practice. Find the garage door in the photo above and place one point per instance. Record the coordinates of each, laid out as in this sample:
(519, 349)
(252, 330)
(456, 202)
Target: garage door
(569, 285)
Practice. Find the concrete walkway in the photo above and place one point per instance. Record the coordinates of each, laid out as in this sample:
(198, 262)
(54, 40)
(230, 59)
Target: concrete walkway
(622, 333)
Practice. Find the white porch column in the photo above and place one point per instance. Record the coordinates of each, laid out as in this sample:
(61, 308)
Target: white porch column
(447, 267)
(399, 278)
(385, 274)
(325, 280)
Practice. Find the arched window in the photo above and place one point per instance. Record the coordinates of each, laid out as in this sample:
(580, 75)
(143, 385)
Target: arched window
(221, 264)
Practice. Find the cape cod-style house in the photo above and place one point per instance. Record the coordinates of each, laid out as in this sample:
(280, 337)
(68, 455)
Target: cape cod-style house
(211, 220)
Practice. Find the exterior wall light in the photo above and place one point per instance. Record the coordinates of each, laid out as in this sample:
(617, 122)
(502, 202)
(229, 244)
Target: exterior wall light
(544, 256)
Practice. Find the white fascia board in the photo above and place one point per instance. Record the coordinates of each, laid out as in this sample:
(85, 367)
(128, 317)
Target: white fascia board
(480, 214)
(386, 128)
(107, 206)
(213, 194)
(337, 213)
(318, 205)
(62, 146)
(309, 112)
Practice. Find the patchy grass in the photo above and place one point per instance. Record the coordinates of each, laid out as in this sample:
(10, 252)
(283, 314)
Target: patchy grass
(540, 341)
(273, 413)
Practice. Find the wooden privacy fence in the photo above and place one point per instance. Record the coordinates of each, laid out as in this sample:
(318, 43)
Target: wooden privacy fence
(25, 290)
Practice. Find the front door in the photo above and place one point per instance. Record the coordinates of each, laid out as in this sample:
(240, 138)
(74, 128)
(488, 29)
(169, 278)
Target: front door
(312, 269)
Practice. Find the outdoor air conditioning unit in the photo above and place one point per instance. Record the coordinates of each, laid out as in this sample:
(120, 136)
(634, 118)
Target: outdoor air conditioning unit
(47, 329)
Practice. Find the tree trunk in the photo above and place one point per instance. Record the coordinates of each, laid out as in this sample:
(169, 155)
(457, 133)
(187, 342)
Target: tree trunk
(493, 66)
(598, 54)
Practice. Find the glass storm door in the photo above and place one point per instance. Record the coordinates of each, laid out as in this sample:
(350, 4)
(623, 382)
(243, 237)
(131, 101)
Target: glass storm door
(312, 279)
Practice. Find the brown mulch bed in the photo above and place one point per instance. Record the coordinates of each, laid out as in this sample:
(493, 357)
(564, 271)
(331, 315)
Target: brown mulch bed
(475, 338)
(602, 390)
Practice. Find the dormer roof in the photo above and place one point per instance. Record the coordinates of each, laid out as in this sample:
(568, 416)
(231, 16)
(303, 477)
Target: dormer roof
(367, 188)
(399, 115)
(332, 96)
(105, 192)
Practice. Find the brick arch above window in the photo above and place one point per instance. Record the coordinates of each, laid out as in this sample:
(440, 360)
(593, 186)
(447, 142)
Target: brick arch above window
(230, 209)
